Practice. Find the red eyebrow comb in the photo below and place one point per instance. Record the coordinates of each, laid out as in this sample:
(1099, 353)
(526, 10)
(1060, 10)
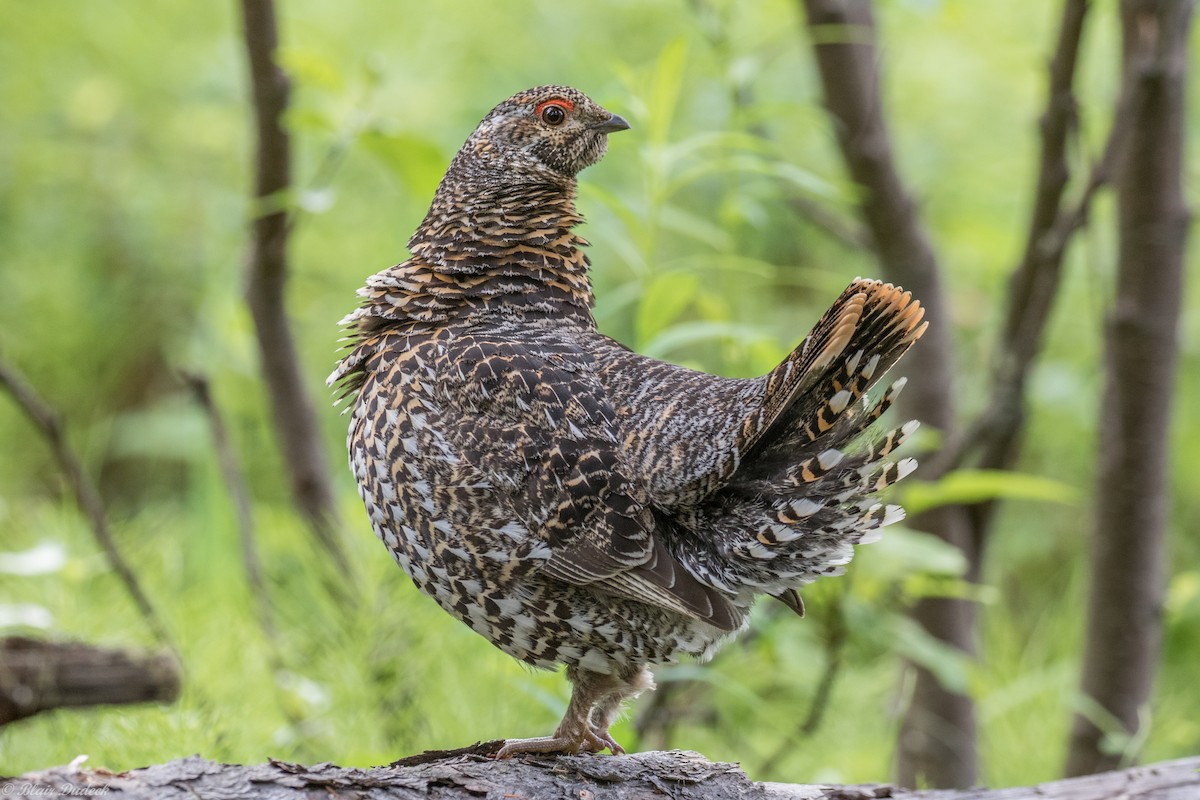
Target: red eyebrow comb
(567, 104)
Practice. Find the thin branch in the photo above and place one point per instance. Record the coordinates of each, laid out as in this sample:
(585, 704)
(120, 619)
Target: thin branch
(1032, 285)
(836, 635)
(293, 413)
(1002, 418)
(994, 434)
(659, 713)
(235, 482)
(335, 155)
(47, 422)
(847, 232)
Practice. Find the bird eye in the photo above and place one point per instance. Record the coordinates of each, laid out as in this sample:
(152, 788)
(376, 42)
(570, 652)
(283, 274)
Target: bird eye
(553, 114)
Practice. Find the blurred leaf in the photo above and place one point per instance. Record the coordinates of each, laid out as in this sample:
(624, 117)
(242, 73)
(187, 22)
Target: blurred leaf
(317, 201)
(94, 103)
(903, 552)
(713, 307)
(631, 219)
(416, 160)
(924, 584)
(698, 673)
(1183, 594)
(25, 615)
(687, 333)
(717, 163)
(676, 219)
(743, 209)
(308, 694)
(283, 200)
(663, 300)
(553, 702)
(617, 301)
(47, 557)
(1116, 739)
(171, 430)
(665, 87)
(977, 485)
(838, 33)
(705, 145)
(803, 179)
(728, 162)
(949, 665)
(725, 264)
(307, 119)
(311, 68)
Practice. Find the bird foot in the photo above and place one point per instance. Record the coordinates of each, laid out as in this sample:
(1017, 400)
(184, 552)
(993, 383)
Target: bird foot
(604, 736)
(591, 740)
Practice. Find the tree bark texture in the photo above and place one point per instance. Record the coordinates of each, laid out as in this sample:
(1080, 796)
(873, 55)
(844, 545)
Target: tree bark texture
(643, 776)
(292, 410)
(40, 676)
(1124, 612)
(938, 734)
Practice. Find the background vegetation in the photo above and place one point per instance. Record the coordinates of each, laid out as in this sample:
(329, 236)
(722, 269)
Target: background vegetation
(124, 182)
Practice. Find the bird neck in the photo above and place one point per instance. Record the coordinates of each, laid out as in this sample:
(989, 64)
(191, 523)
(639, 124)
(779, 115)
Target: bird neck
(513, 245)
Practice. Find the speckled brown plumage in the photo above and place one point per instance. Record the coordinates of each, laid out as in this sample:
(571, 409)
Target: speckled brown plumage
(572, 501)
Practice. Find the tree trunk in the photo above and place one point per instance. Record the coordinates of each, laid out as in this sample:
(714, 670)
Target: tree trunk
(1124, 625)
(292, 410)
(470, 773)
(937, 740)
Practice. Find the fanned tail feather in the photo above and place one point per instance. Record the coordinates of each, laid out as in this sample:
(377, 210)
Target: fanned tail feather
(805, 490)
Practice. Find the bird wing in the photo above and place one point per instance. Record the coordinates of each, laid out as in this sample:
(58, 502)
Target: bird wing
(536, 421)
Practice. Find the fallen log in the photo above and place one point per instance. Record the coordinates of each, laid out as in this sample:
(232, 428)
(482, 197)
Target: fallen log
(472, 773)
(37, 675)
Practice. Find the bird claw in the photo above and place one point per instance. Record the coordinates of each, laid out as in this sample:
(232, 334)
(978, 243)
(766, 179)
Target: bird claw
(590, 740)
(606, 741)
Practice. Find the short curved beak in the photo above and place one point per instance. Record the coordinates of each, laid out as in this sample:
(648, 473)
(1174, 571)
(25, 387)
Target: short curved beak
(611, 125)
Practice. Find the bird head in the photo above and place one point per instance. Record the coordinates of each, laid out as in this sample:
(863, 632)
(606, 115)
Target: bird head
(544, 134)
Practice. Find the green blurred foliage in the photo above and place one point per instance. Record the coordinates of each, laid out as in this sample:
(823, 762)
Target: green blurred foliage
(124, 174)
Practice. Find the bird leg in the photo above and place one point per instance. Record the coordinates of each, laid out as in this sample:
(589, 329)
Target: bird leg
(608, 708)
(596, 700)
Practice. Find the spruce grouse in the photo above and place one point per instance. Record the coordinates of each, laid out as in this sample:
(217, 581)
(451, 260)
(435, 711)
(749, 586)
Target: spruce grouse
(572, 501)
